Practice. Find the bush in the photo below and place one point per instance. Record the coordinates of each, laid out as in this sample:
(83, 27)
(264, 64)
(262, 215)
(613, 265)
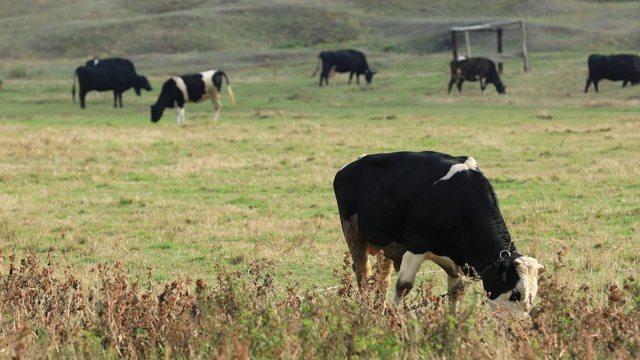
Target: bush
(247, 314)
(17, 73)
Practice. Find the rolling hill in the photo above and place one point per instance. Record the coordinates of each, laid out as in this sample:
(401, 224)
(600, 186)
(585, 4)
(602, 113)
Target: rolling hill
(46, 29)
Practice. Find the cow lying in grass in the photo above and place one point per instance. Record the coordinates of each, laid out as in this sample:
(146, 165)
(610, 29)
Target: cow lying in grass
(416, 206)
(191, 88)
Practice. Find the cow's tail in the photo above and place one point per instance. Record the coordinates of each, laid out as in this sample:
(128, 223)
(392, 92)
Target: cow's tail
(73, 88)
(232, 97)
(317, 67)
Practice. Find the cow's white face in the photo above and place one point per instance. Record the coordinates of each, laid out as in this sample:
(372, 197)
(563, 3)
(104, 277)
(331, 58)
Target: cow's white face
(519, 300)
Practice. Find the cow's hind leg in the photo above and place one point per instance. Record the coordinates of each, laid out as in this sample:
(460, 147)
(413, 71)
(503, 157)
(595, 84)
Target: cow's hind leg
(451, 82)
(82, 95)
(324, 75)
(358, 248)
(217, 104)
(382, 276)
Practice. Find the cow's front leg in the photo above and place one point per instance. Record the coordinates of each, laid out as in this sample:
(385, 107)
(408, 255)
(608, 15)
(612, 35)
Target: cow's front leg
(454, 290)
(180, 111)
(117, 96)
(407, 275)
(454, 276)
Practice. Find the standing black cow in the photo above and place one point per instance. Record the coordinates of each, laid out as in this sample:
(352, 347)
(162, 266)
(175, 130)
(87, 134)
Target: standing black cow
(623, 67)
(351, 61)
(474, 69)
(427, 205)
(103, 78)
(113, 61)
(191, 88)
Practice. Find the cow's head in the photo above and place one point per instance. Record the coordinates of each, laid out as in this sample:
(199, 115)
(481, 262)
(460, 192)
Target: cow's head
(501, 87)
(143, 83)
(512, 284)
(156, 113)
(369, 75)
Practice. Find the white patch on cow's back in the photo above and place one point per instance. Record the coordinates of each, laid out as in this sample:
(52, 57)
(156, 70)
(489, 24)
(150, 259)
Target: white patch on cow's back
(345, 165)
(182, 86)
(469, 164)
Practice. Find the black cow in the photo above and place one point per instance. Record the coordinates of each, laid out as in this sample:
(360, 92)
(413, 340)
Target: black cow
(191, 88)
(103, 78)
(474, 69)
(623, 67)
(351, 61)
(113, 61)
(427, 205)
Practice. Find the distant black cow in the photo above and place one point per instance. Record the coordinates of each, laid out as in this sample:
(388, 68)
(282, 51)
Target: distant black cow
(426, 205)
(474, 69)
(351, 61)
(103, 78)
(613, 67)
(191, 88)
(113, 61)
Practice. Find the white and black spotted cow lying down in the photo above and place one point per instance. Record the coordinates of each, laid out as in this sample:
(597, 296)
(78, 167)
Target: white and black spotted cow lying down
(191, 88)
(427, 205)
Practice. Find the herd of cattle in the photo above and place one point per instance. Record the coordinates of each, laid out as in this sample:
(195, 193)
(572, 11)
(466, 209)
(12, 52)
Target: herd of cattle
(119, 75)
(408, 206)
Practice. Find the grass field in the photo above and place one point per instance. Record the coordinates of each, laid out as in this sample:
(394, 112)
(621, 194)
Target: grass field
(106, 186)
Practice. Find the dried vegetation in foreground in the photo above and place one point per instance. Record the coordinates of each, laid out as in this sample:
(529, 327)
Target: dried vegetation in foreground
(47, 312)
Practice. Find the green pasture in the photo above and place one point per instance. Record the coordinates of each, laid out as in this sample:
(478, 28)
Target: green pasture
(105, 185)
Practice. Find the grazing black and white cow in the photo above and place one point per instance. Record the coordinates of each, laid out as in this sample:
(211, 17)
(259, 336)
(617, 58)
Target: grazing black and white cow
(427, 205)
(191, 88)
(474, 69)
(623, 67)
(103, 78)
(347, 60)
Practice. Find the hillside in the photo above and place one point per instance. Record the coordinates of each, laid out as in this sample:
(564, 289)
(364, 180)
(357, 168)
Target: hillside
(46, 29)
